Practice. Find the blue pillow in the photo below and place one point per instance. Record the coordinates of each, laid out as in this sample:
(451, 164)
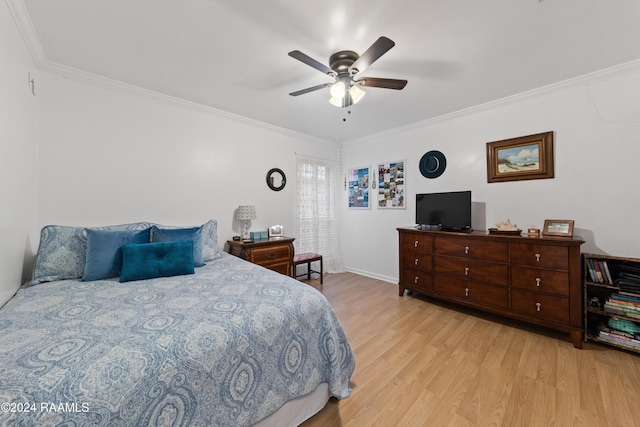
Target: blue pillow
(159, 259)
(104, 253)
(175, 234)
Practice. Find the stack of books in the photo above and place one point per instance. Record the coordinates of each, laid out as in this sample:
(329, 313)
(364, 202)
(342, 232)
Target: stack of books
(620, 337)
(599, 271)
(628, 278)
(618, 330)
(624, 304)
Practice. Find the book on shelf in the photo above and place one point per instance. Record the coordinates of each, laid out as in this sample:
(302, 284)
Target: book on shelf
(592, 270)
(624, 299)
(629, 294)
(599, 271)
(623, 305)
(621, 311)
(618, 339)
(596, 266)
(607, 273)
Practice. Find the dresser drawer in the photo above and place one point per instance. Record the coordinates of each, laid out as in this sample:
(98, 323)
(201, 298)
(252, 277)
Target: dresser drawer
(487, 250)
(490, 272)
(471, 291)
(543, 307)
(270, 254)
(541, 256)
(417, 280)
(282, 267)
(421, 260)
(539, 280)
(417, 242)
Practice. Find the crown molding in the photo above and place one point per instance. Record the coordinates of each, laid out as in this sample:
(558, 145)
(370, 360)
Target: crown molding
(626, 68)
(20, 15)
(120, 87)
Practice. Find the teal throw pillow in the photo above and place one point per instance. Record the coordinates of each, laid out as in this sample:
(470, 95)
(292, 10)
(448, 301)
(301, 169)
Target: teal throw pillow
(158, 259)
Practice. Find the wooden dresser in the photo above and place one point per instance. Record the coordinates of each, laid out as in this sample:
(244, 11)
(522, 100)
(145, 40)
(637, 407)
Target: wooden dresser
(536, 280)
(274, 253)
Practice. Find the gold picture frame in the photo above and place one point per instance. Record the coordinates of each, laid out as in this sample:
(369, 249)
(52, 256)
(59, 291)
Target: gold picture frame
(558, 227)
(516, 159)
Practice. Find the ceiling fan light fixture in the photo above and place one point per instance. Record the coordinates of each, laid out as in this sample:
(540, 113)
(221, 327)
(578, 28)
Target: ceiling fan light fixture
(356, 94)
(337, 102)
(341, 97)
(338, 89)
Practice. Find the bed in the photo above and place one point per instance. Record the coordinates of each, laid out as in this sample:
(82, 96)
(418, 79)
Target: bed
(232, 344)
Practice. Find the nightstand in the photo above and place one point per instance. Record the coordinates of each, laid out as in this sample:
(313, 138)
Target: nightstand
(274, 253)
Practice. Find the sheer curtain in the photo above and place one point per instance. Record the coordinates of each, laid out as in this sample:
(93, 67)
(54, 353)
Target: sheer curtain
(317, 210)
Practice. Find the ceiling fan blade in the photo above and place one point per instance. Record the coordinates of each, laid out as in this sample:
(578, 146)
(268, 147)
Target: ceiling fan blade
(383, 83)
(375, 51)
(310, 89)
(311, 62)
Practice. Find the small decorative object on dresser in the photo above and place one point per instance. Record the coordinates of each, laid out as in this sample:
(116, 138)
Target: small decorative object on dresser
(505, 227)
(558, 227)
(276, 231)
(536, 280)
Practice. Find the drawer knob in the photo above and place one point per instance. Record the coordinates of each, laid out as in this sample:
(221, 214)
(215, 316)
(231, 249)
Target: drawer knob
(538, 257)
(466, 271)
(415, 281)
(415, 244)
(415, 262)
(271, 256)
(537, 281)
(466, 250)
(538, 306)
(466, 292)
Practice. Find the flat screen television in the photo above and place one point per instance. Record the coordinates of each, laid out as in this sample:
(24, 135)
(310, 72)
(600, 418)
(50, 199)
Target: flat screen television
(449, 211)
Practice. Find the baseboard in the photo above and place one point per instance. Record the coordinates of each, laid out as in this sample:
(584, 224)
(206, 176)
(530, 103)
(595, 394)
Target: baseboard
(393, 280)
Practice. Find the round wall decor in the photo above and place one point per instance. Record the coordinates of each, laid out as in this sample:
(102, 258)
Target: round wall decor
(433, 164)
(276, 179)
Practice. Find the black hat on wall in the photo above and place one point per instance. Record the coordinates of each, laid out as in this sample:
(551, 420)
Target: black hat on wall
(433, 164)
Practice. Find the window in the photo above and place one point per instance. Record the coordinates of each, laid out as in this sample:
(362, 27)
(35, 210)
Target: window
(317, 210)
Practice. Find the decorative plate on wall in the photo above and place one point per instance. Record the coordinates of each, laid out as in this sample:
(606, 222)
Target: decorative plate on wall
(433, 164)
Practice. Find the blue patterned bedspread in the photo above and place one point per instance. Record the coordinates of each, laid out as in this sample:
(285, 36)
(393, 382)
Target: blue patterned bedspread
(227, 346)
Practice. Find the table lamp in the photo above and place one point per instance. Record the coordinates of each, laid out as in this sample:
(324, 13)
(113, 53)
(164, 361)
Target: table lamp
(246, 213)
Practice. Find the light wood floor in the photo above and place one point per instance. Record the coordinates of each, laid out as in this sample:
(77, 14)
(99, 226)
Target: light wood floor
(424, 363)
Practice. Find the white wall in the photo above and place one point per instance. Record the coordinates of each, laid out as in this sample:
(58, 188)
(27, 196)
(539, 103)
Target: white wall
(18, 144)
(597, 148)
(108, 157)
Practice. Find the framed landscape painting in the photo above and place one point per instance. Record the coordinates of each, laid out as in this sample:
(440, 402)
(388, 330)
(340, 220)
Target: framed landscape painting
(526, 157)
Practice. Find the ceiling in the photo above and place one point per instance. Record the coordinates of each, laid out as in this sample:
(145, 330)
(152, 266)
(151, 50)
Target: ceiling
(231, 55)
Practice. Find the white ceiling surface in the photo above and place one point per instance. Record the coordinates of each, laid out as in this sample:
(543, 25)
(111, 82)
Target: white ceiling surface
(231, 55)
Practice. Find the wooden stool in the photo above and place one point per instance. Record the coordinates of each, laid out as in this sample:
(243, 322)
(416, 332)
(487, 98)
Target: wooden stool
(306, 258)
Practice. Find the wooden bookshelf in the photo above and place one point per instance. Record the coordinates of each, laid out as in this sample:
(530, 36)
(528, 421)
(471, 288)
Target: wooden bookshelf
(606, 309)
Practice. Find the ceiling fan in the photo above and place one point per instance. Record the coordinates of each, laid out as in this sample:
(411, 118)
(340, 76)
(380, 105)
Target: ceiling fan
(344, 66)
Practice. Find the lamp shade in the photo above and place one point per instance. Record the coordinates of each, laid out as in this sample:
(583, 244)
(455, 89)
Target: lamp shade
(246, 212)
